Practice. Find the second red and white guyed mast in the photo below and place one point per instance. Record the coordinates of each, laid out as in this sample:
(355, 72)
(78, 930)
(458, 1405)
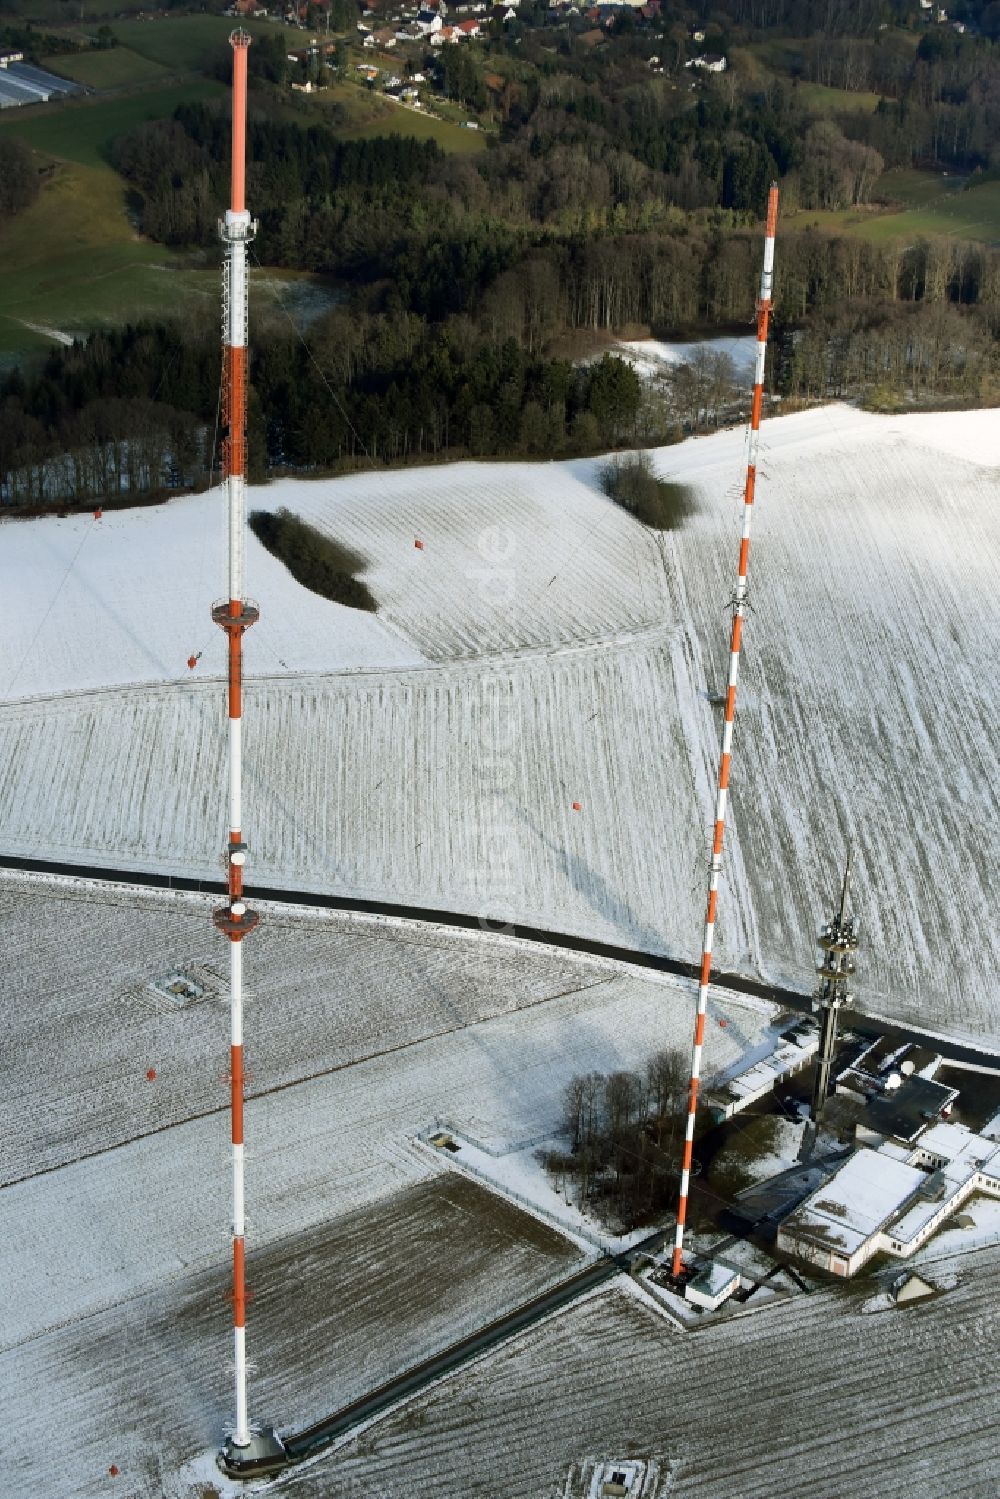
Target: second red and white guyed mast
(725, 756)
(236, 614)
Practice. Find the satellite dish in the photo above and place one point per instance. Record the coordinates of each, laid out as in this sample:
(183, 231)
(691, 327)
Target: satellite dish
(906, 1068)
(892, 1082)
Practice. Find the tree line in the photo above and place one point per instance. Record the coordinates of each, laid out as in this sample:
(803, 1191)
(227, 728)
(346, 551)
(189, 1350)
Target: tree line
(19, 180)
(134, 411)
(98, 420)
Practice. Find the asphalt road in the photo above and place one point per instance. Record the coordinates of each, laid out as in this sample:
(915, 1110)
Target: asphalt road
(791, 999)
(314, 1438)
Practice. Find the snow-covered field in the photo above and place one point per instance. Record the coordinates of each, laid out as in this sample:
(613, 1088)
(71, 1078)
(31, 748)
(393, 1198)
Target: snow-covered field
(812, 1397)
(357, 1039)
(143, 1384)
(365, 1254)
(382, 764)
(652, 357)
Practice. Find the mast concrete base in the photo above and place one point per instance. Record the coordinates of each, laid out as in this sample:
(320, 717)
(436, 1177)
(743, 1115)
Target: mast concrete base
(263, 1455)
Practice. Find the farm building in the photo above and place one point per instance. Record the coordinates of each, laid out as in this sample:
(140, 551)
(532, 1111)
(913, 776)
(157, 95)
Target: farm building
(891, 1200)
(22, 84)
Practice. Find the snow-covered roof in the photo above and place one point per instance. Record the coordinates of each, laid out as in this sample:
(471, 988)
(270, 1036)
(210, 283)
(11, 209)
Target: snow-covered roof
(958, 1145)
(868, 1190)
(771, 1069)
(964, 1154)
(714, 1278)
(905, 1111)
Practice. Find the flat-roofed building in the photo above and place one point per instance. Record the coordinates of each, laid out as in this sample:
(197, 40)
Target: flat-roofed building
(796, 1047)
(838, 1227)
(891, 1200)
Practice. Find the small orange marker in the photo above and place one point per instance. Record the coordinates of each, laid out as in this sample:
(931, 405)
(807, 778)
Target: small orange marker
(98, 513)
(151, 1075)
(418, 544)
(114, 1470)
(578, 806)
(723, 1023)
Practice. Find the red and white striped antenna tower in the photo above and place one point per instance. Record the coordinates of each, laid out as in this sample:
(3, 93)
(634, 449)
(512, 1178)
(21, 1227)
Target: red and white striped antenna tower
(725, 755)
(246, 1450)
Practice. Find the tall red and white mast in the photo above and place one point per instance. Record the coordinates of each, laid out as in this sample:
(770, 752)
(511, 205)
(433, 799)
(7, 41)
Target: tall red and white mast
(739, 611)
(236, 614)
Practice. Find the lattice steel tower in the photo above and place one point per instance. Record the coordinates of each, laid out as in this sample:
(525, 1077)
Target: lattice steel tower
(839, 941)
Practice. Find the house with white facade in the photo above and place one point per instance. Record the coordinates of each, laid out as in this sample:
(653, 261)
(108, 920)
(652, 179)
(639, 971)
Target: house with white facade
(891, 1200)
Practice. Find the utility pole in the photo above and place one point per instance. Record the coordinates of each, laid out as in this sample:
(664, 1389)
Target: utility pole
(839, 941)
(725, 755)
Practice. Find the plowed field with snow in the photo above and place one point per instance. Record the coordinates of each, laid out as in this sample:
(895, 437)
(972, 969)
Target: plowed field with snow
(867, 706)
(358, 1037)
(364, 1254)
(814, 1398)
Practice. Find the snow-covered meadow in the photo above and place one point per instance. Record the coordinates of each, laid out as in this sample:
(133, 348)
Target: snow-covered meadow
(543, 649)
(814, 1397)
(365, 1254)
(653, 358)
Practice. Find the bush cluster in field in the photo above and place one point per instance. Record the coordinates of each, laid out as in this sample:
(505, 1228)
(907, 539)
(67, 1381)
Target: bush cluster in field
(316, 561)
(624, 1130)
(631, 483)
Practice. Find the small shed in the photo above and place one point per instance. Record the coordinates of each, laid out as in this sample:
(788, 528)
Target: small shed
(712, 1285)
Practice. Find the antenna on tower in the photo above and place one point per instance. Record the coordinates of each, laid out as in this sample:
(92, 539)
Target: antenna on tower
(247, 1450)
(839, 942)
(725, 755)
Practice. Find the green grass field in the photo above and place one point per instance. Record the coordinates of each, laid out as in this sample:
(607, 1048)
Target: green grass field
(73, 260)
(184, 43)
(81, 129)
(930, 205)
(118, 67)
(364, 113)
(830, 101)
(449, 135)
